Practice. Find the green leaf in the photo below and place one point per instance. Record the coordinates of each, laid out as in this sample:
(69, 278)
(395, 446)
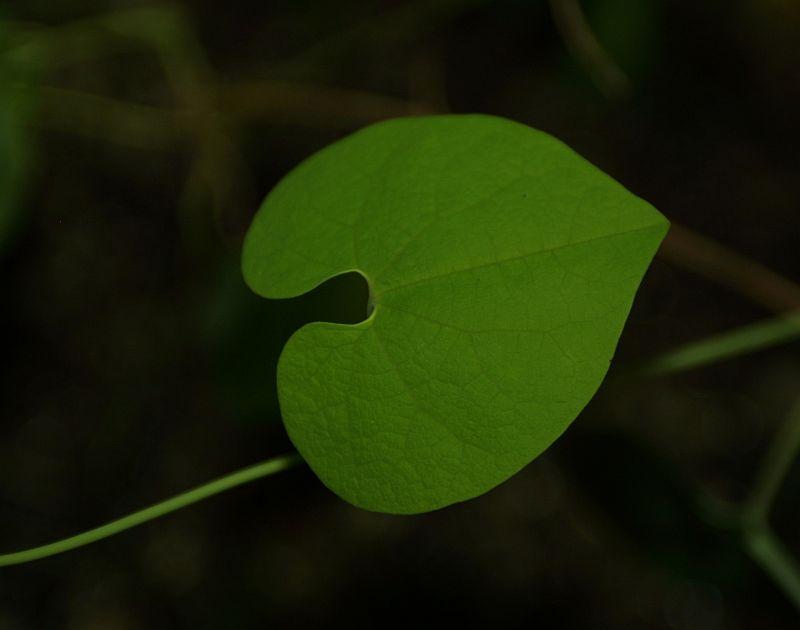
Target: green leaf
(501, 268)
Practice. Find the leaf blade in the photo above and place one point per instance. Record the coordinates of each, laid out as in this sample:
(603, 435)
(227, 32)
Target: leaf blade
(502, 267)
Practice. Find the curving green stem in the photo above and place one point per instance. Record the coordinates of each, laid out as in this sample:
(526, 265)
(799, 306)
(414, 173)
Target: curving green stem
(264, 469)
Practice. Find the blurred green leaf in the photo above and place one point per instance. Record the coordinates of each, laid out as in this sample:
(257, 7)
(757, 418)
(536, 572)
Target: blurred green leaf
(501, 267)
(15, 141)
(629, 31)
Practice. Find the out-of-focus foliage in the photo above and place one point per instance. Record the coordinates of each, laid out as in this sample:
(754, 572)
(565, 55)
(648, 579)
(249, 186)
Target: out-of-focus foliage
(16, 140)
(630, 32)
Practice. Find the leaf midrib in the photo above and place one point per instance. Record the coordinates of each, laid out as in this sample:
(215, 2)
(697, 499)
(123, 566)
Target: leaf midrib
(493, 263)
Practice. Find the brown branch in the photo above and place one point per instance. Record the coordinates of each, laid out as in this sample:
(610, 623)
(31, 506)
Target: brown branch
(160, 128)
(297, 103)
(103, 118)
(694, 252)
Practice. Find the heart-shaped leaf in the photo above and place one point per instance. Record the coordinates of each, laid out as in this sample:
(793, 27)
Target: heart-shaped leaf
(501, 268)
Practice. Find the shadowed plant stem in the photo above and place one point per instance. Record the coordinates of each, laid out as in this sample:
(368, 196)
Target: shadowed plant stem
(751, 519)
(762, 544)
(587, 50)
(778, 461)
(264, 469)
(776, 561)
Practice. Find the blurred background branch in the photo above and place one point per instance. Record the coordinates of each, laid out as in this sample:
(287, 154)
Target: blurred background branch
(571, 22)
(722, 265)
(762, 543)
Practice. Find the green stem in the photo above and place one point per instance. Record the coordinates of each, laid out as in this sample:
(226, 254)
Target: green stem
(762, 544)
(752, 518)
(776, 561)
(264, 469)
(736, 342)
(782, 453)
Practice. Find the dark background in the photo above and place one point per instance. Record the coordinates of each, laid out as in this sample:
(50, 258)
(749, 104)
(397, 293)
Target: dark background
(136, 363)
